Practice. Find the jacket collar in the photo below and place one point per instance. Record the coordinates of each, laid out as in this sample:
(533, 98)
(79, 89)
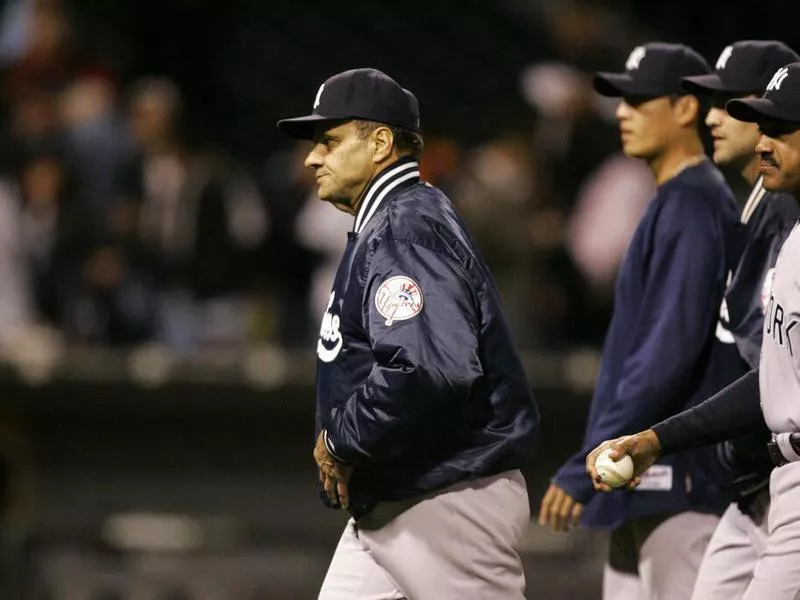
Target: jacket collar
(404, 172)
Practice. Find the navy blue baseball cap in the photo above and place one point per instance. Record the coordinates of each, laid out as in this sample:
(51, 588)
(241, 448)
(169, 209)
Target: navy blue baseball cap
(743, 68)
(655, 69)
(780, 101)
(367, 94)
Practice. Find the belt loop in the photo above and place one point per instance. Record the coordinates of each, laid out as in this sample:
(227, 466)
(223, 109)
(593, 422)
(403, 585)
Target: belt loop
(784, 442)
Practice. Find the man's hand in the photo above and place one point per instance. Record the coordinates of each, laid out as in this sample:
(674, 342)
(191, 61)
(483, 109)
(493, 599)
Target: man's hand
(334, 476)
(643, 448)
(559, 509)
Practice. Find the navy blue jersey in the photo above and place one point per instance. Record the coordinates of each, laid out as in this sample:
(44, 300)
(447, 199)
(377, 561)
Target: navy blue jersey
(659, 356)
(419, 385)
(769, 219)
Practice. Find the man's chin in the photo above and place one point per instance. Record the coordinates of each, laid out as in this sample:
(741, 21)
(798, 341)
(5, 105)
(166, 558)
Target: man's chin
(772, 181)
(341, 204)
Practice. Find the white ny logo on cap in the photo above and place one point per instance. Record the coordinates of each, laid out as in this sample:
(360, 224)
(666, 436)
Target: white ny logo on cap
(722, 61)
(777, 79)
(635, 58)
(318, 96)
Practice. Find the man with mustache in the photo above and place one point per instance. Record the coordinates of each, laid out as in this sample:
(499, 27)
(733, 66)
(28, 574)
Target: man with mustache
(424, 414)
(743, 70)
(769, 395)
(659, 356)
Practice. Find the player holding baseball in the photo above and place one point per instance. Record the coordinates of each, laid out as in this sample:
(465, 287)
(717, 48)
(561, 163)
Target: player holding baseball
(743, 70)
(659, 355)
(767, 395)
(424, 414)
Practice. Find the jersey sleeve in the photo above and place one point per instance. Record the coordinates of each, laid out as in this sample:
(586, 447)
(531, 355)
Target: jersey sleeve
(423, 323)
(679, 304)
(734, 411)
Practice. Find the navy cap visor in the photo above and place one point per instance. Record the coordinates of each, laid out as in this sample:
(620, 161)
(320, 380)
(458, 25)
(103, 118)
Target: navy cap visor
(706, 85)
(753, 110)
(302, 128)
(622, 84)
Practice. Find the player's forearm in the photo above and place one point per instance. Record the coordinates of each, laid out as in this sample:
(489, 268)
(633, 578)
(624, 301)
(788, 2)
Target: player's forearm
(733, 411)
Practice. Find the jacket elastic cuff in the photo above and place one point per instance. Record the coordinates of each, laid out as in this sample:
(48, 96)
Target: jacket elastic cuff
(331, 447)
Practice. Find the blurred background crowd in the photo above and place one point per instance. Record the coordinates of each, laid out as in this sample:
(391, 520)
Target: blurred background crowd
(145, 196)
(147, 201)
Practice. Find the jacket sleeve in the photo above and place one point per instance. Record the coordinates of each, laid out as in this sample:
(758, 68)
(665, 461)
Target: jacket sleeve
(681, 293)
(423, 324)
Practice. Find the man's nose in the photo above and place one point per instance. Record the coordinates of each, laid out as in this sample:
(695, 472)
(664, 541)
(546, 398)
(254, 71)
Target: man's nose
(764, 145)
(314, 158)
(623, 110)
(714, 117)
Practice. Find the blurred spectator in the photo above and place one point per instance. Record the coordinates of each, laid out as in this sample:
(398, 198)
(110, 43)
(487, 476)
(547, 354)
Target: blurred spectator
(323, 229)
(495, 195)
(41, 52)
(609, 206)
(96, 144)
(190, 220)
(15, 298)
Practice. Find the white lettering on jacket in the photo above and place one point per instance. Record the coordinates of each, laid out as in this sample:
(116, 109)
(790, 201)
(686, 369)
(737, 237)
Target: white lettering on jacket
(330, 338)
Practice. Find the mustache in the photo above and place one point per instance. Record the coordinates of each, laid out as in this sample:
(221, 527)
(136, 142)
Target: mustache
(769, 159)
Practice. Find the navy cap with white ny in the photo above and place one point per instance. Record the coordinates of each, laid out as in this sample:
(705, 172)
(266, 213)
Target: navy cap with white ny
(780, 101)
(744, 67)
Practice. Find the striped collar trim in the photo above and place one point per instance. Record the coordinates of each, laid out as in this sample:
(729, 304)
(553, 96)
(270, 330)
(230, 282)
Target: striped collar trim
(753, 200)
(403, 171)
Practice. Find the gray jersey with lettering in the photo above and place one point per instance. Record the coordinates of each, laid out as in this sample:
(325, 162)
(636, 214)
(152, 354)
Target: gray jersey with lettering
(779, 377)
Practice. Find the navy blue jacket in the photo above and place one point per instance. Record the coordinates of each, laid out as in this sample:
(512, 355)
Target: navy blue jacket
(769, 219)
(659, 356)
(419, 385)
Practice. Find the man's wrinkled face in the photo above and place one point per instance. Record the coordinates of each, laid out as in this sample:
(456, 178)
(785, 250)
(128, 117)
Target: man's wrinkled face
(342, 162)
(734, 141)
(779, 149)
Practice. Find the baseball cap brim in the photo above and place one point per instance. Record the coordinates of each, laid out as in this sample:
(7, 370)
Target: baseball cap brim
(302, 128)
(753, 110)
(615, 85)
(706, 85)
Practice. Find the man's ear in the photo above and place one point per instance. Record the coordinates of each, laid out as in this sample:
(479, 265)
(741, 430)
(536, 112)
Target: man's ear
(382, 144)
(687, 110)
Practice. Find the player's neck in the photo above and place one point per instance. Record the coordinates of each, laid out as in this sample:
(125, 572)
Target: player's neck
(675, 160)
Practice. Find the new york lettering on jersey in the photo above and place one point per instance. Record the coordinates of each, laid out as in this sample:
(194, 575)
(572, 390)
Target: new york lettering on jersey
(780, 365)
(783, 309)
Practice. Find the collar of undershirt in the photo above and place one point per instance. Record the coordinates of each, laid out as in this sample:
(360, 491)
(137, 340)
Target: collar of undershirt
(753, 200)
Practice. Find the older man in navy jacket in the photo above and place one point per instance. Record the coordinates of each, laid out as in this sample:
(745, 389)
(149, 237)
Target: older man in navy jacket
(424, 414)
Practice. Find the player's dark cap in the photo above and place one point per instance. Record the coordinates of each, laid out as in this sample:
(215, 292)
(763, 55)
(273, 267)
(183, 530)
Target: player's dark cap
(780, 101)
(743, 68)
(652, 70)
(366, 94)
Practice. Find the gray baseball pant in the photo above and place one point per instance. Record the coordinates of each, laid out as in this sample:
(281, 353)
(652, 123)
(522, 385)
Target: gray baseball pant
(666, 553)
(777, 574)
(459, 544)
(732, 553)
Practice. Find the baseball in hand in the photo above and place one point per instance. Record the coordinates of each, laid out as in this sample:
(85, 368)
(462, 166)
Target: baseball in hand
(615, 474)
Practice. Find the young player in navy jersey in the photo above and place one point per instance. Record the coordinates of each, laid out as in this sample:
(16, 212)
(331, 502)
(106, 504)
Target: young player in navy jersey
(769, 394)
(659, 355)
